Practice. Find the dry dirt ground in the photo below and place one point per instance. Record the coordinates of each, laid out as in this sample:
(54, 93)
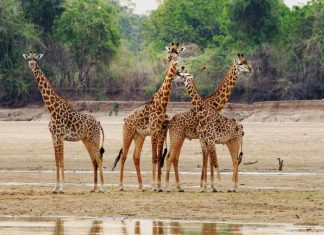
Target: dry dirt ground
(296, 196)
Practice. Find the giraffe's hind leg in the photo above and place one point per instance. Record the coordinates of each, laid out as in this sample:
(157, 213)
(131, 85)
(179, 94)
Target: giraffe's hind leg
(128, 135)
(139, 141)
(234, 147)
(176, 163)
(94, 152)
(212, 160)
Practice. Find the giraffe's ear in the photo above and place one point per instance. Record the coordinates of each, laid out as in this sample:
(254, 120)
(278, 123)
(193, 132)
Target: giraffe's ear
(182, 49)
(238, 55)
(25, 56)
(39, 56)
(177, 44)
(168, 49)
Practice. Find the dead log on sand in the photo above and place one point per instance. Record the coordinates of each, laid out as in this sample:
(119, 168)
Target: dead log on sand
(250, 163)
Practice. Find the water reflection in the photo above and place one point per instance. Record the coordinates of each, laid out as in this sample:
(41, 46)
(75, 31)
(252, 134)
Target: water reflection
(59, 229)
(90, 226)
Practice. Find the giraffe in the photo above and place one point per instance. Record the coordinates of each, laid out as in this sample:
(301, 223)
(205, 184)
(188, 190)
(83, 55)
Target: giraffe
(213, 128)
(183, 125)
(149, 120)
(68, 125)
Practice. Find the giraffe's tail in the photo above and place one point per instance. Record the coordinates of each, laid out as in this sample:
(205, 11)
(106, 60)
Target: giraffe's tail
(163, 156)
(240, 156)
(102, 150)
(165, 151)
(117, 158)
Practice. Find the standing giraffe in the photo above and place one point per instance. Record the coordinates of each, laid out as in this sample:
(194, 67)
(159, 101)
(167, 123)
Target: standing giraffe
(213, 128)
(149, 120)
(66, 124)
(183, 125)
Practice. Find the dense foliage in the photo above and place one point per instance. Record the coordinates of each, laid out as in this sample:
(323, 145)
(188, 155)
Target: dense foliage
(98, 49)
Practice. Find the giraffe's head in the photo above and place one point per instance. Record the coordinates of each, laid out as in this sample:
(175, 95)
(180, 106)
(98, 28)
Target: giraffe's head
(174, 51)
(32, 58)
(242, 65)
(184, 76)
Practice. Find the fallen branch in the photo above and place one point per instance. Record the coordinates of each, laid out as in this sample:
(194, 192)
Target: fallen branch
(250, 163)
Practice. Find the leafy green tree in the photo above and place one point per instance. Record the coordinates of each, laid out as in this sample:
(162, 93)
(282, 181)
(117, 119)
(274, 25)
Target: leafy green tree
(42, 12)
(15, 34)
(253, 22)
(195, 21)
(90, 29)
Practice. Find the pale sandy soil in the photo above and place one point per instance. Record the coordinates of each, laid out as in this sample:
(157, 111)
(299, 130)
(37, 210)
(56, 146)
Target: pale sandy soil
(261, 198)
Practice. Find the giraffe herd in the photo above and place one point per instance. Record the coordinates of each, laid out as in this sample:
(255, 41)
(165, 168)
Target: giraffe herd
(203, 122)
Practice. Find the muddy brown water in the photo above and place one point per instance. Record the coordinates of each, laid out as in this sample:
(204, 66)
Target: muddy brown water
(125, 226)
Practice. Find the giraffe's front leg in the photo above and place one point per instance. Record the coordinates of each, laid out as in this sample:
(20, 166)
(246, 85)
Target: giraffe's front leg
(59, 160)
(62, 173)
(203, 179)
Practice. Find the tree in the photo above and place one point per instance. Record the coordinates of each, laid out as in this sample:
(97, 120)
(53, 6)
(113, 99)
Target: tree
(15, 34)
(90, 29)
(42, 12)
(195, 21)
(253, 22)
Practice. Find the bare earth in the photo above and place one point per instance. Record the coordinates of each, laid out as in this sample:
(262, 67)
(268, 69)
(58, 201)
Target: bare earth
(296, 196)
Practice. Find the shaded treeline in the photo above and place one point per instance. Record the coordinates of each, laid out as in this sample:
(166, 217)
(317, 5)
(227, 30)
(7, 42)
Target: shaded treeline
(98, 49)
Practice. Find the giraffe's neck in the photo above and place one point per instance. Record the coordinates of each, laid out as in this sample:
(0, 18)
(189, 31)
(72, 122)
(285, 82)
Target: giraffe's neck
(196, 100)
(164, 91)
(51, 99)
(220, 96)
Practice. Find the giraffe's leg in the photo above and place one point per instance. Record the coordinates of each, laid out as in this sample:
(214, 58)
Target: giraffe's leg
(154, 141)
(139, 140)
(99, 161)
(234, 147)
(59, 160)
(212, 158)
(57, 183)
(176, 163)
(168, 165)
(95, 175)
(94, 152)
(203, 179)
(160, 150)
(62, 174)
(128, 136)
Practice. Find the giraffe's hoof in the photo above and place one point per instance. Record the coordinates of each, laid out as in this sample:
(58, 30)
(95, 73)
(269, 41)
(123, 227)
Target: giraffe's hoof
(101, 191)
(154, 189)
(215, 190)
(202, 190)
(55, 192)
(231, 191)
(93, 190)
(160, 190)
(180, 190)
(167, 189)
(61, 192)
(121, 189)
